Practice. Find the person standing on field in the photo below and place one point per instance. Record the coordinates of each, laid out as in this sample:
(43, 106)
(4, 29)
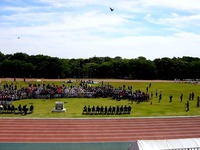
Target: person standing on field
(170, 98)
(160, 96)
(198, 101)
(187, 106)
(156, 93)
(181, 97)
(192, 96)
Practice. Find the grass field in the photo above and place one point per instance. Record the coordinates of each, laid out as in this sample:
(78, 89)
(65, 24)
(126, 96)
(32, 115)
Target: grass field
(74, 106)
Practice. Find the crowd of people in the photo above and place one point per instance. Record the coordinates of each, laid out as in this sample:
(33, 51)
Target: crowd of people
(10, 92)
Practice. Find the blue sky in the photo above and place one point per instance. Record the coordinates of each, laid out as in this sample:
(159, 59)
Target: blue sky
(87, 28)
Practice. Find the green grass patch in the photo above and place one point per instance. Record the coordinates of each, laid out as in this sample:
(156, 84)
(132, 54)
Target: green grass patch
(74, 106)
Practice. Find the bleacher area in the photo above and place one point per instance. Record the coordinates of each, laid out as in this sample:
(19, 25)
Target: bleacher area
(11, 109)
(105, 110)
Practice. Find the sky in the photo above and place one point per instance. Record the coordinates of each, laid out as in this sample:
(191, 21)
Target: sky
(87, 28)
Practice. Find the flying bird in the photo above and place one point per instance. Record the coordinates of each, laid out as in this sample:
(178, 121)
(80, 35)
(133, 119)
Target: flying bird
(111, 9)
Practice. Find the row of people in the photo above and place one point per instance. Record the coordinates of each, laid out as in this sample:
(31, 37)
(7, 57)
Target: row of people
(16, 110)
(107, 110)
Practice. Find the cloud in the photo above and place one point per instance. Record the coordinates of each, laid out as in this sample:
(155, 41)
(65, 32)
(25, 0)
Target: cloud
(191, 5)
(151, 47)
(177, 22)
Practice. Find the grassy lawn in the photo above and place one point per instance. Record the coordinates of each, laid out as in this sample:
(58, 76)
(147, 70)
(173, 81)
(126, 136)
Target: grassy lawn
(74, 106)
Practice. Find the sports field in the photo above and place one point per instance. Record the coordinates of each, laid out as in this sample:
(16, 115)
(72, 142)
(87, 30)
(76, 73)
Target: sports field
(74, 106)
(73, 130)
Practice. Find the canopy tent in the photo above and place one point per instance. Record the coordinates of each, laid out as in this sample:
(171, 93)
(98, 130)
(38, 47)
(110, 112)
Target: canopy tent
(172, 144)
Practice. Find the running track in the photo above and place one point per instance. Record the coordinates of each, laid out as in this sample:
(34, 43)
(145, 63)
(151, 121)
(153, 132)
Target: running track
(98, 130)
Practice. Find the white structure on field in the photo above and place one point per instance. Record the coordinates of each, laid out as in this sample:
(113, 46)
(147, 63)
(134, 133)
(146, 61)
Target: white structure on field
(59, 107)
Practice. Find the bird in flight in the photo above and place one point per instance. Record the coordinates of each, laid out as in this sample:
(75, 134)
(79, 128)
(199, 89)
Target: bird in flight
(111, 9)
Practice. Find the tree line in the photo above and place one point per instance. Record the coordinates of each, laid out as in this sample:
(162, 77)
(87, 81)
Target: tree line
(21, 65)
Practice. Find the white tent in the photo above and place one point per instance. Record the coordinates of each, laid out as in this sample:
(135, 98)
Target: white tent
(172, 144)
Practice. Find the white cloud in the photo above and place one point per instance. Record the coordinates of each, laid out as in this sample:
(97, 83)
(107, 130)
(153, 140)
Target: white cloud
(70, 3)
(176, 21)
(187, 5)
(181, 21)
(15, 9)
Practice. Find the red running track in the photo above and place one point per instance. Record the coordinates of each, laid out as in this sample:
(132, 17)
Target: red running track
(98, 130)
